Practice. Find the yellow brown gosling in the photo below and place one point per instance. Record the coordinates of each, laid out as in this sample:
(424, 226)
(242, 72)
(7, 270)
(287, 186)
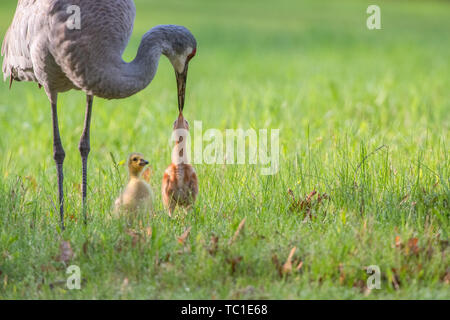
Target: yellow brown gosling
(137, 194)
(180, 183)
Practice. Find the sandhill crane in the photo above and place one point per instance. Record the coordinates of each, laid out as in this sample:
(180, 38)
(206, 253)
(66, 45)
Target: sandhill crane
(49, 44)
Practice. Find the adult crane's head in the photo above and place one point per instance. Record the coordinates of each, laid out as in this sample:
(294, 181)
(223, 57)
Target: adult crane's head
(180, 46)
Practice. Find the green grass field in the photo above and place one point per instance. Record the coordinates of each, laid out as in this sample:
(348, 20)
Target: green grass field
(363, 117)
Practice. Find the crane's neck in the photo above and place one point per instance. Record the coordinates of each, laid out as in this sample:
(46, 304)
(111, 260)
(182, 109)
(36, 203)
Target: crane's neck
(116, 79)
(135, 76)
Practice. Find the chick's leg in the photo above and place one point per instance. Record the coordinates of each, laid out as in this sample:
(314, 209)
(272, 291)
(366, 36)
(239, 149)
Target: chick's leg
(85, 148)
(58, 155)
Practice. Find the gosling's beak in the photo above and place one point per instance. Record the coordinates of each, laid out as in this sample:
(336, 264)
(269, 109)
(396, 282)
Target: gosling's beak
(181, 84)
(143, 163)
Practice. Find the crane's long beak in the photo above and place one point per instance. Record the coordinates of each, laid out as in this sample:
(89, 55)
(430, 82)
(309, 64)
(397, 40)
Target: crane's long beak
(181, 84)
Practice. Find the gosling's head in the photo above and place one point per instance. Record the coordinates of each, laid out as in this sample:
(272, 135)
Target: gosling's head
(136, 163)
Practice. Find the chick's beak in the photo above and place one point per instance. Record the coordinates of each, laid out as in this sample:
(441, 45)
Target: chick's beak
(143, 162)
(181, 85)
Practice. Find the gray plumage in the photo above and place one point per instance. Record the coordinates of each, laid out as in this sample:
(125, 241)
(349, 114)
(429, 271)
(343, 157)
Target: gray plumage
(40, 46)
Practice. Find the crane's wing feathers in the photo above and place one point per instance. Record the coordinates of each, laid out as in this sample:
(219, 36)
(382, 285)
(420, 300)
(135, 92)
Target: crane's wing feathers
(16, 44)
(42, 45)
(105, 29)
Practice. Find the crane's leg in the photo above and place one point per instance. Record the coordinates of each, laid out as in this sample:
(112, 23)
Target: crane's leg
(85, 148)
(58, 155)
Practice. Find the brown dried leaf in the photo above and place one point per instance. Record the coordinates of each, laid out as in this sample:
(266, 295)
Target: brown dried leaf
(404, 199)
(311, 195)
(47, 268)
(85, 247)
(277, 264)
(287, 267)
(412, 245)
(395, 279)
(360, 284)
(234, 262)
(446, 278)
(322, 196)
(341, 273)
(65, 251)
(291, 193)
(299, 266)
(306, 205)
(58, 283)
(182, 239)
(238, 231)
(213, 245)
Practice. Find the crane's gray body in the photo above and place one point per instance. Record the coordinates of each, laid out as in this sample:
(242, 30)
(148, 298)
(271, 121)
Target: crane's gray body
(46, 45)
(40, 46)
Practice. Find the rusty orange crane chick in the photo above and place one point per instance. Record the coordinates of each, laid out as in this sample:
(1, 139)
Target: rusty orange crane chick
(180, 183)
(137, 195)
